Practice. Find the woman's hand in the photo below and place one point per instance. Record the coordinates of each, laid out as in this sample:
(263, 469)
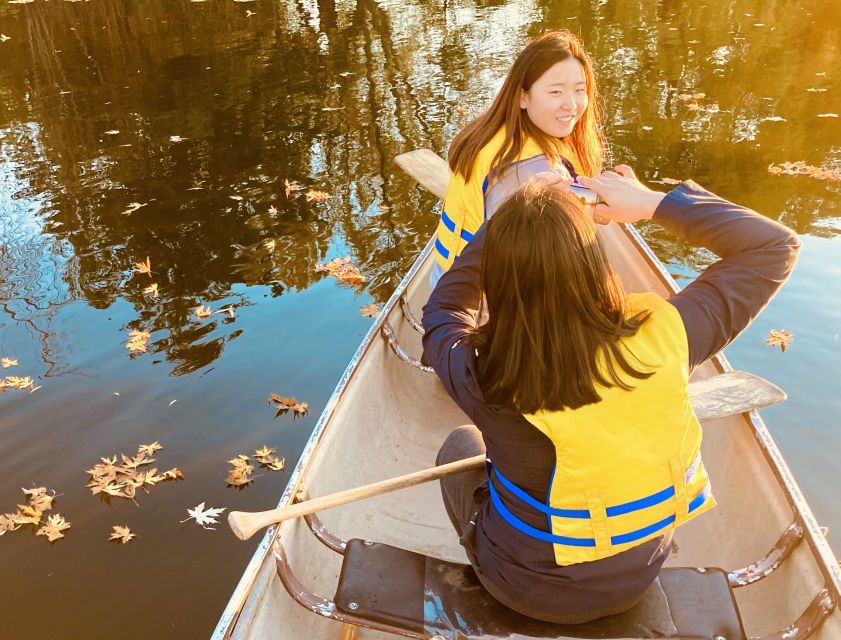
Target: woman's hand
(626, 199)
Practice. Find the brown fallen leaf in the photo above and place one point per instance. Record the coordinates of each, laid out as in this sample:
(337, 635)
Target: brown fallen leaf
(144, 267)
(203, 312)
(152, 290)
(6, 523)
(138, 340)
(285, 404)
(370, 310)
(39, 498)
(317, 196)
(267, 458)
(54, 527)
(9, 362)
(779, 338)
(18, 382)
(291, 187)
(26, 514)
(121, 534)
(149, 449)
(240, 472)
(173, 474)
(343, 270)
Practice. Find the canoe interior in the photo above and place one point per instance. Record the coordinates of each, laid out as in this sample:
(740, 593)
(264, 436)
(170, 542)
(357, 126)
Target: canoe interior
(391, 419)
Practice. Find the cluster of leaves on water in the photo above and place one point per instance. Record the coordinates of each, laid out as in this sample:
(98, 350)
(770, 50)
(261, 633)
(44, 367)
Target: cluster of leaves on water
(284, 404)
(38, 501)
(343, 270)
(123, 479)
(779, 338)
(241, 471)
(20, 383)
(801, 168)
(693, 103)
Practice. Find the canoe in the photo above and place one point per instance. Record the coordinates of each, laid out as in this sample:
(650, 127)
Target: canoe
(388, 416)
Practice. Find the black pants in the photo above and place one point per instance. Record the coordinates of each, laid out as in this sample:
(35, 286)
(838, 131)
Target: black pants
(463, 495)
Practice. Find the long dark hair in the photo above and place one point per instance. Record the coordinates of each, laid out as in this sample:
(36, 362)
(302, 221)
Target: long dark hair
(556, 309)
(586, 139)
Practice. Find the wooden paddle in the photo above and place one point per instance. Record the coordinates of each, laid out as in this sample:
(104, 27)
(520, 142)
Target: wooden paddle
(712, 398)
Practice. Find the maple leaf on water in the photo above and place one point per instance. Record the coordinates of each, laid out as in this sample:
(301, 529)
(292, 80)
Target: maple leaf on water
(343, 270)
(138, 340)
(149, 449)
(203, 312)
(317, 196)
(272, 210)
(6, 523)
(173, 474)
(291, 187)
(267, 458)
(144, 267)
(204, 516)
(240, 472)
(285, 404)
(121, 534)
(152, 290)
(9, 362)
(370, 310)
(39, 498)
(54, 527)
(18, 382)
(779, 338)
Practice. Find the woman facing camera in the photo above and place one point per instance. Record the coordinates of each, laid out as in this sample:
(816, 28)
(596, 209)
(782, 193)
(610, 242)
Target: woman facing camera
(544, 117)
(578, 390)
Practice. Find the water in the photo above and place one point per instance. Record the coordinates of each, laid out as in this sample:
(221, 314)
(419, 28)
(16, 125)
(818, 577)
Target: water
(182, 107)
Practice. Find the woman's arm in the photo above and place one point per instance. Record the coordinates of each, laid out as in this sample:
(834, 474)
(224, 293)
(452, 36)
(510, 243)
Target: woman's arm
(757, 256)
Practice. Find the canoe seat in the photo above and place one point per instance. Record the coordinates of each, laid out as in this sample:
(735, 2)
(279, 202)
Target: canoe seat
(429, 597)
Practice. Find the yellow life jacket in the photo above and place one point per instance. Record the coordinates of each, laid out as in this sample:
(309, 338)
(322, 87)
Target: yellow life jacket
(464, 205)
(627, 468)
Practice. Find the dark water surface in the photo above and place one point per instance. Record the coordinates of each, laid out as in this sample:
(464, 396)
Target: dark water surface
(200, 112)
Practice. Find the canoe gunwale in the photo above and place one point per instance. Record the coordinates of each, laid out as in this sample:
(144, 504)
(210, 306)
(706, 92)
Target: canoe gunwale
(797, 501)
(236, 602)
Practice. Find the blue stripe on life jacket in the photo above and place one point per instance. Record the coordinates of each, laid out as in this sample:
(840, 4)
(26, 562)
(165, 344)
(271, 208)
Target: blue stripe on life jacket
(442, 249)
(627, 507)
(448, 222)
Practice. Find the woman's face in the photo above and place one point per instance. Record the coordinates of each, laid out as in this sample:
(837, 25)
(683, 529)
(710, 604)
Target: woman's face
(557, 99)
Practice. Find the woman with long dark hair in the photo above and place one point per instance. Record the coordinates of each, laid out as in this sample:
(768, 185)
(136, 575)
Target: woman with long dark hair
(578, 390)
(545, 116)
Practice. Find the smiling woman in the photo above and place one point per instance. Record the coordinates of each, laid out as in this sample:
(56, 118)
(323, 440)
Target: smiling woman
(545, 109)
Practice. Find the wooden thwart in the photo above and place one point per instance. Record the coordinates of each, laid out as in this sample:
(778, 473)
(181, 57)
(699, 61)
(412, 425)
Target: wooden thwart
(712, 398)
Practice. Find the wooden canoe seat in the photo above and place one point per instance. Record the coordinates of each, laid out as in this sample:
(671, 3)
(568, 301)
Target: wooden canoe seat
(430, 597)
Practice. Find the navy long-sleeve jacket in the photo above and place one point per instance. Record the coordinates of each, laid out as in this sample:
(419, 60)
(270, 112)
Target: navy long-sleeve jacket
(756, 257)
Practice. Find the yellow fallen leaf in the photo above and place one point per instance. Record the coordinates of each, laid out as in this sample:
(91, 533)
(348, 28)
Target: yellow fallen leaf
(779, 338)
(291, 187)
(137, 340)
(39, 498)
(121, 534)
(152, 290)
(149, 449)
(317, 196)
(203, 312)
(272, 210)
(18, 382)
(370, 310)
(144, 267)
(9, 362)
(54, 527)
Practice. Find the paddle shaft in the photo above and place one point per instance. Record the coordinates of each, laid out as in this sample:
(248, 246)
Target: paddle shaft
(712, 398)
(245, 525)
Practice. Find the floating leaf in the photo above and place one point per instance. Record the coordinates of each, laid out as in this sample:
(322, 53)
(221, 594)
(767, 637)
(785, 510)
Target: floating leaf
(54, 527)
(138, 341)
(267, 458)
(816, 89)
(237, 198)
(203, 312)
(6, 523)
(370, 310)
(176, 139)
(144, 267)
(18, 382)
(9, 362)
(111, 132)
(688, 97)
(317, 196)
(272, 210)
(779, 338)
(134, 206)
(121, 534)
(291, 187)
(285, 404)
(149, 449)
(152, 290)
(827, 115)
(204, 516)
(39, 498)
(342, 270)
(173, 474)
